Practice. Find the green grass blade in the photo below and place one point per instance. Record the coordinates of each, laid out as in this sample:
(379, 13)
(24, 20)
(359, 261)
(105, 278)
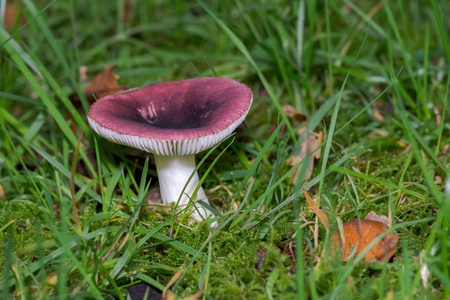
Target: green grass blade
(333, 122)
(247, 54)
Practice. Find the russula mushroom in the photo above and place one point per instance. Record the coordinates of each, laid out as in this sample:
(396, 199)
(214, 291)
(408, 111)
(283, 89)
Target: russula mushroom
(174, 121)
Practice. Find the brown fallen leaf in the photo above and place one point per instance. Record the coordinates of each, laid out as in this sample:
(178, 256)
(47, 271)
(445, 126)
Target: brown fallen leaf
(360, 237)
(153, 197)
(260, 259)
(102, 85)
(307, 147)
(292, 113)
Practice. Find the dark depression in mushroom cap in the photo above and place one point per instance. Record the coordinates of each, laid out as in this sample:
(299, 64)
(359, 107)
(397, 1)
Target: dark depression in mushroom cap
(188, 110)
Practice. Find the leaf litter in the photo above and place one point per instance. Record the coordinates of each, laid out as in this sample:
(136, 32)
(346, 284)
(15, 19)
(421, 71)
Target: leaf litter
(358, 234)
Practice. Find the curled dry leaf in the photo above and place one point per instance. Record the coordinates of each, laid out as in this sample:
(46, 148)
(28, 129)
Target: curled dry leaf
(102, 85)
(307, 147)
(360, 237)
(296, 117)
(292, 113)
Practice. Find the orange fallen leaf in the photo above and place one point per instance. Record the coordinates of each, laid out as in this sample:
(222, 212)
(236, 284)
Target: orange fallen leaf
(360, 237)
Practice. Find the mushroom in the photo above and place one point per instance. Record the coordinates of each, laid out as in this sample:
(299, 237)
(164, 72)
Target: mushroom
(174, 121)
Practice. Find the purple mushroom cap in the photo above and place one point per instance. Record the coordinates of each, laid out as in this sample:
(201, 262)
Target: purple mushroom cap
(173, 118)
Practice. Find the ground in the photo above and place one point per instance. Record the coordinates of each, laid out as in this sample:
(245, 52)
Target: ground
(350, 109)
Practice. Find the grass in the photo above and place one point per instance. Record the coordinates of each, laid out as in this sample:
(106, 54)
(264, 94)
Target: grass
(373, 76)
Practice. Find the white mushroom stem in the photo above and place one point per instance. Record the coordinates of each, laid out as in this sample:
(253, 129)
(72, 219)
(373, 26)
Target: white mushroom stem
(173, 174)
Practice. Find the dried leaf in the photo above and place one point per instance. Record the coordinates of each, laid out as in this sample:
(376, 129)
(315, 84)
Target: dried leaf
(390, 295)
(319, 213)
(169, 295)
(379, 132)
(12, 11)
(83, 74)
(438, 116)
(197, 295)
(154, 196)
(261, 257)
(360, 237)
(307, 147)
(166, 295)
(437, 180)
(378, 115)
(221, 187)
(374, 217)
(104, 84)
(292, 113)
(52, 278)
